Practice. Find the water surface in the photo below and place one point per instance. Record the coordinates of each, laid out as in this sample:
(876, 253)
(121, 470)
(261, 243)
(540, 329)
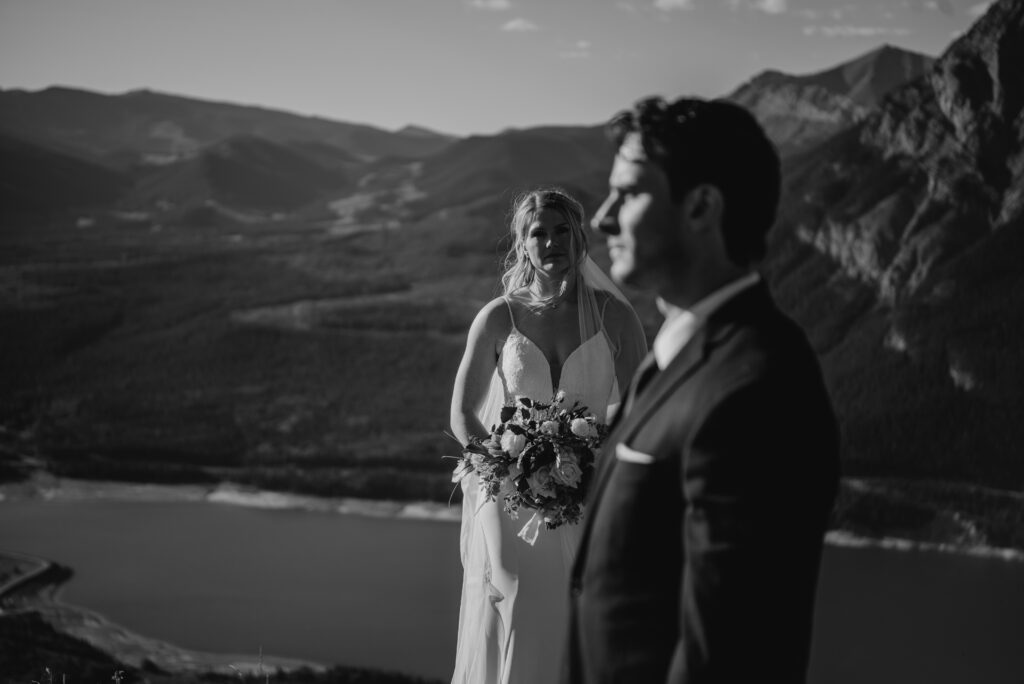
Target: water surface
(384, 592)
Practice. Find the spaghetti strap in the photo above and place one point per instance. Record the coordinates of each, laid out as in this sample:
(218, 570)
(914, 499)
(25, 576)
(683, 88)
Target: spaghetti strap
(511, 314)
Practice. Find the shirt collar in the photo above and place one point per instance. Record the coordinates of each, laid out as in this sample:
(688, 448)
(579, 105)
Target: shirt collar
(681, 324)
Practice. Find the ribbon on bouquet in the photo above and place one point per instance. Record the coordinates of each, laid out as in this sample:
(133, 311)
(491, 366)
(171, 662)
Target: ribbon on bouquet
(531, 529)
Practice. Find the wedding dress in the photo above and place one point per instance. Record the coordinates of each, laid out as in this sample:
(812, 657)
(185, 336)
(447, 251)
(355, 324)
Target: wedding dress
(514, 614)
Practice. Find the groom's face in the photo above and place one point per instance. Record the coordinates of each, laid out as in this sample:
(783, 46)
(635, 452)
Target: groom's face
(640, 221)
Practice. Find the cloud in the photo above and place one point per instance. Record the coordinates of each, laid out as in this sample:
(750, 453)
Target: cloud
(491, 5)
(668, 5)
(581, 50)
(854, 31)
(979, 9)
(766, 6)
(626, 7)
(944, 6)
(770, 6)
(520, 25)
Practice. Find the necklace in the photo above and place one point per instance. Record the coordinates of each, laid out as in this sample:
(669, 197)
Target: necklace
(546, 303)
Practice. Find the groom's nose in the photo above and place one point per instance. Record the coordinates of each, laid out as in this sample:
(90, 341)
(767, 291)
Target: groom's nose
(606, 219)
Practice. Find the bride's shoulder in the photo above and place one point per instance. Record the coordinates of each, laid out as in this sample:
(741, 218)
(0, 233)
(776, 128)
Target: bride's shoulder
(493, 318)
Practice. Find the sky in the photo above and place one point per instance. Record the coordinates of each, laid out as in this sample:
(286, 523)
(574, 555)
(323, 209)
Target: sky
(457, 66)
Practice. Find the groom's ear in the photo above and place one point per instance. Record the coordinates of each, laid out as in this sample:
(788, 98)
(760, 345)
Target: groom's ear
(702, 207)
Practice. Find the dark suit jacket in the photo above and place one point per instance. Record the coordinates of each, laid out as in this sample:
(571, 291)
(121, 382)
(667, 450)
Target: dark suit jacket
(701, 565)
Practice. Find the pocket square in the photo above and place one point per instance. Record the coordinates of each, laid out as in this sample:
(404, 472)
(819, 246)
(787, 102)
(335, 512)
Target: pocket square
(624, 453)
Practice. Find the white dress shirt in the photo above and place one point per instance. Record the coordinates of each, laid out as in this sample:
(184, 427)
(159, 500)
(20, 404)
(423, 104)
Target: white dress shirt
(681, 324)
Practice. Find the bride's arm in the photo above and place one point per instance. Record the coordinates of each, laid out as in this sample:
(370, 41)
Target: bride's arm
(472, 381)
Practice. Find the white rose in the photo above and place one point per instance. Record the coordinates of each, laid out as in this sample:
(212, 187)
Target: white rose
(567, 470)
(583, 428)
(541, 483)
(549, 427)
(513, 443)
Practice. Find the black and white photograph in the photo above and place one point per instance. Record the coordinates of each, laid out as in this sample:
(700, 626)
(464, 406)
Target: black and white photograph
(511, 341)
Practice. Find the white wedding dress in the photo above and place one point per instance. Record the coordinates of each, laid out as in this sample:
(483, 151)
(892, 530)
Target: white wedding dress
(514, 615)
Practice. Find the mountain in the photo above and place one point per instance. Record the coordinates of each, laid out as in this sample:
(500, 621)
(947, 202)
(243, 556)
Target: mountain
(491, 167)
(898, 247)
(35, 179)
(243, 172)
(800, 111)
(414, 131)
(149, 127)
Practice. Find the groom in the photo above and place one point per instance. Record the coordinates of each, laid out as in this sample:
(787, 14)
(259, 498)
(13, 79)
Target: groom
(700, 550)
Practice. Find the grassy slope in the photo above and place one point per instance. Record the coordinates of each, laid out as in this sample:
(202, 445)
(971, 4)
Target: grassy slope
(144, 360)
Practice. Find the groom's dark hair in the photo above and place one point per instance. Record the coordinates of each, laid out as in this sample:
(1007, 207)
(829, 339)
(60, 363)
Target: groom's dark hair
(717, 142)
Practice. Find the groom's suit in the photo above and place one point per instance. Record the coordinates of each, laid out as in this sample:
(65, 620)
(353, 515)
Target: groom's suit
(701, 545)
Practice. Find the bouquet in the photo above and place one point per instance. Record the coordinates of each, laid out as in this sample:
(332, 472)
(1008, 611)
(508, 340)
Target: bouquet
(539, 457)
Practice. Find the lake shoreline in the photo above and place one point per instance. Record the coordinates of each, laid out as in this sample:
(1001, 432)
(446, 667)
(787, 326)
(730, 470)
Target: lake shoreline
(48, 487)
(39, 589)
(36, 591)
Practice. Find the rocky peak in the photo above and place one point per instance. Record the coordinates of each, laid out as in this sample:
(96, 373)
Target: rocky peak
(799, 112)
(979, 90)
(930, 172)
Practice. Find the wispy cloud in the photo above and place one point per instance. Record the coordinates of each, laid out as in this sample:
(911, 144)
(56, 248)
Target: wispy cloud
(979, 9)
(854, 31)
(626, 7)
(521, 25)
(770, 6)
(581, 50)
(766, 6)
(944, 6)
(491, 5)
(668, 5)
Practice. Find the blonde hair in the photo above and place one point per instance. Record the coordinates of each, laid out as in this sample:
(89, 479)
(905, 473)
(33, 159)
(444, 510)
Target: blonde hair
(518, 270)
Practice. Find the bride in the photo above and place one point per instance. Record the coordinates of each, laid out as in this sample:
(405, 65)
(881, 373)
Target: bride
(560, 325)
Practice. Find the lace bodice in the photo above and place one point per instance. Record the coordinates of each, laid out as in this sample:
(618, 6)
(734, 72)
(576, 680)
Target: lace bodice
(588, 373)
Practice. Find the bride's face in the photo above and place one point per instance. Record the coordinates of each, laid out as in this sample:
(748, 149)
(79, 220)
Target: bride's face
(548, 242)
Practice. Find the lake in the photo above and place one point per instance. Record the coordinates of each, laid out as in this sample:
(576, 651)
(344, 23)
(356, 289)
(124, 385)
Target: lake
(383, 592)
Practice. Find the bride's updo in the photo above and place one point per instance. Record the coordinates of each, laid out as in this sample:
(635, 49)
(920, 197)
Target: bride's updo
(519, 271)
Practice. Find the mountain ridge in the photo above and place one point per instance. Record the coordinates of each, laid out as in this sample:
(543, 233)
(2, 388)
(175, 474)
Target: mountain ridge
(104, 127)
(893, 256)
(800, 111)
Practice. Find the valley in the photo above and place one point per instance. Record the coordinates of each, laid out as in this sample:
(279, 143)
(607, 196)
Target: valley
(198, 292)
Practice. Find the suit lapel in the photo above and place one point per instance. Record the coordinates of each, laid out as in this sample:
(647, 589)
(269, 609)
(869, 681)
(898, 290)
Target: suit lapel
(716, 329)
(636, 414)
(681, 367)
